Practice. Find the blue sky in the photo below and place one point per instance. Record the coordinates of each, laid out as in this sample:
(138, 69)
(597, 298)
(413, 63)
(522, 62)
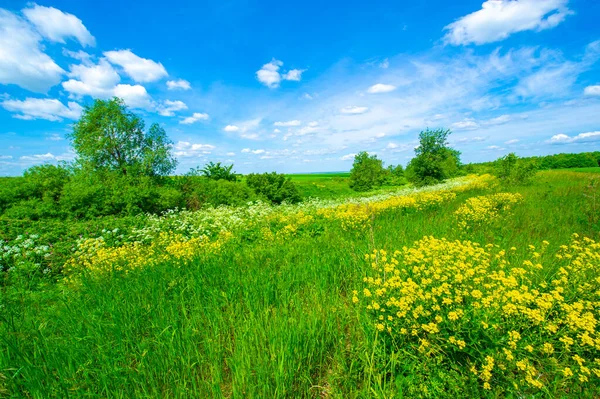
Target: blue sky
(302, 87)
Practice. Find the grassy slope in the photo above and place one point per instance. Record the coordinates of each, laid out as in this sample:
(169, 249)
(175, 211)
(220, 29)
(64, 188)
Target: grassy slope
(584, 170)
(330, 185)
(257, 321)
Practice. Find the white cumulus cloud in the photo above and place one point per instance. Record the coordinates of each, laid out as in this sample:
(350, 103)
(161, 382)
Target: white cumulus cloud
(56, 25)
(466, 124)
(592, 90)
(231, 128)
(194, 118)
(139, 69)
(22, 60)
(102, 81)
(294, 74)
(179, 84)
(270, 76)
(135, 96)
(498, 19)
(588, 137)
(381, 88)
(96, 80)
(168, 107)
(38, 108)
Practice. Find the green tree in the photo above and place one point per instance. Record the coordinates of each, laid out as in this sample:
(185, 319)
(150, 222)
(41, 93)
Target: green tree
(367, 172)
(215, 171)
(434, 160)
(109, 136)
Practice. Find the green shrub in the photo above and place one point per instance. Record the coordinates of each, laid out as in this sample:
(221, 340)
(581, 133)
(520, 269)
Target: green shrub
(513, 170)
(274, 187)
(215, 171)
(199, 191)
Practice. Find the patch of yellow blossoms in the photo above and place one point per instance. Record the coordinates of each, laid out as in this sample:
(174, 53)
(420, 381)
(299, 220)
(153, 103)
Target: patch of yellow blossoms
(356, 216)
(483, 309)
(94, 256)
(485, 209)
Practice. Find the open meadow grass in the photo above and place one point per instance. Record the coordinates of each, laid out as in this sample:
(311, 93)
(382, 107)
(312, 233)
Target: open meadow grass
(331, 185)
(584, 170)
(467, 289)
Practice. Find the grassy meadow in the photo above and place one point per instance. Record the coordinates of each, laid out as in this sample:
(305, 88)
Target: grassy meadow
(466, 289)
(331, 185)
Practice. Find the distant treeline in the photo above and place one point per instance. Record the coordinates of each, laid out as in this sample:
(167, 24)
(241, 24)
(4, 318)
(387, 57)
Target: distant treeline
(558, 161)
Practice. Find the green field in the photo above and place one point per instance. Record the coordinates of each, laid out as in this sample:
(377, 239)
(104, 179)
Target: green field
(584, 170)
(268, 310)
(318, 176)
(323, 185)
(330, 185)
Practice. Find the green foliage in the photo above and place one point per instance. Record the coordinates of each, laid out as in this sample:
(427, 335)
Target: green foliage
(513, 170)
(36, 194)
(367, 172)
(105, 193)
(275, 187)
(264, 319)
(215, 171)
(557, 161)
(434, 161)
(200, 191)
(46, 181)
(109, 136)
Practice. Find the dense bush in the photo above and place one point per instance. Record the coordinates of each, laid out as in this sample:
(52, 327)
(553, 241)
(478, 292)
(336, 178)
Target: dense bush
(199, 191)
(514, 170)
(395, 175)
(274, 187)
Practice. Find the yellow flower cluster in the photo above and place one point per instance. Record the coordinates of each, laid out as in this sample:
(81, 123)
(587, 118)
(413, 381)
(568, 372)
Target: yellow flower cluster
(94, 256)
(506, 319)
(477, 182)
(485, 209)
(284, 226)
(357, 216)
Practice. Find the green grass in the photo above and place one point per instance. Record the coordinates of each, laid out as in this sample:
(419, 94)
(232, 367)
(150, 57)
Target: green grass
(257, 320)
(330, 185)
(317, 176)
(584, 170)
(323, 185)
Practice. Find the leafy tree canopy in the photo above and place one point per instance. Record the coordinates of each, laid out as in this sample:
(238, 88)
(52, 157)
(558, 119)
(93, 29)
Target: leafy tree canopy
(367, 172)
(109, 136)
(434, 160)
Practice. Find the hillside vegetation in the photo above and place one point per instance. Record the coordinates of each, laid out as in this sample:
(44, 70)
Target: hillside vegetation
(118, 280)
